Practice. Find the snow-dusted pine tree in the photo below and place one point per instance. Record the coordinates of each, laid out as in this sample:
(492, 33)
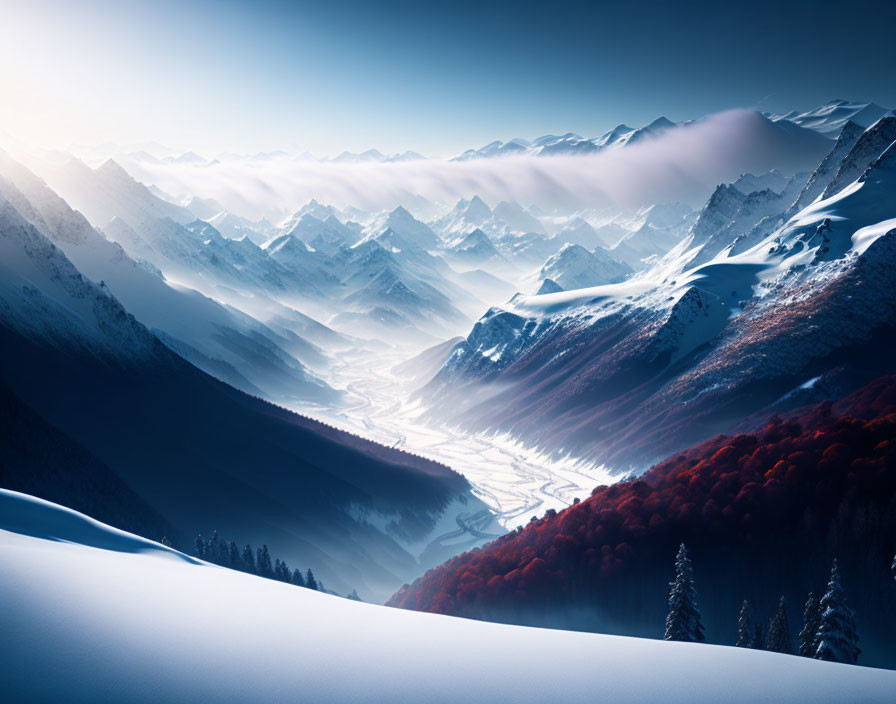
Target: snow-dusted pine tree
(745, 626)
(684, 621)
(808, 637)
(310, 581)
(779, 631)
(837, 637)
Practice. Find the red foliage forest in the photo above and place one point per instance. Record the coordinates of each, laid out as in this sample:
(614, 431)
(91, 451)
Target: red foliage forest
(762, 515)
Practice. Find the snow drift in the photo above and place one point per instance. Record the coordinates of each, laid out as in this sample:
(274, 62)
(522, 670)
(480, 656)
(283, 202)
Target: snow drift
(97, 615)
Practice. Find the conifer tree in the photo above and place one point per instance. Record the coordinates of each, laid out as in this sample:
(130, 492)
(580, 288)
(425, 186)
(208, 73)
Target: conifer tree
(281, 571)
(263, 562)
(212, 549)
(199, 547)
(684, 621)
(808, 638)
(758, 638)
(234, 553)
(744, 626)
(354, 595)
(779, 630)
(249, 559)
(310, 582)
(297, 578)
(837, 637)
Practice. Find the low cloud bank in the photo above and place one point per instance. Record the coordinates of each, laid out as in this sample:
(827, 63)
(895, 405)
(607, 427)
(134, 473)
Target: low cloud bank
(682, 164)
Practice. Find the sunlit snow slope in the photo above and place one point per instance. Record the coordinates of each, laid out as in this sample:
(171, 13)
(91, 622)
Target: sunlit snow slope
(92, 614)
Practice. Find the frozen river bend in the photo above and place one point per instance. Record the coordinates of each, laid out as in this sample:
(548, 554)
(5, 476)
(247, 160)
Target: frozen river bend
(516, 482)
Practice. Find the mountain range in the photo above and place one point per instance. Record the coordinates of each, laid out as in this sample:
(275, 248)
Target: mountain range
(195, 454)
(708, 334)
(165, 342)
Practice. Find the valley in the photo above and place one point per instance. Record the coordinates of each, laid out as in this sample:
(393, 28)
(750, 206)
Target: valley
(514, 481)
(506, 385)
(447, 352)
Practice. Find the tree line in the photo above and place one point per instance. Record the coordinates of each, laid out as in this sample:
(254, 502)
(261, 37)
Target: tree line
(828, 632)
(227, 553)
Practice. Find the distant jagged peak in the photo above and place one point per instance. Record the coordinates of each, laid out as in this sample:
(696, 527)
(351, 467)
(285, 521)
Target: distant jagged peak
(401, 214)
(366, 247)
(112, 169)
(577, 222)
(832, 117)
(870, 145)
(621, 128)
(887, 160)
(851, 130)
(203, 229)
(662, 122)
(725, 192)
(506, 206)
(477, 208)
(568, 252)
(474, 237)
(286, 244)
(368, 155)
(548, 286)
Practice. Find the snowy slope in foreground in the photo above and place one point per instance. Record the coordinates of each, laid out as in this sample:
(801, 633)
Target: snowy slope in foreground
(94, 614)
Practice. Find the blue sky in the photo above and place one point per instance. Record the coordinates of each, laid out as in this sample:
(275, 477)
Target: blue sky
(435, 78)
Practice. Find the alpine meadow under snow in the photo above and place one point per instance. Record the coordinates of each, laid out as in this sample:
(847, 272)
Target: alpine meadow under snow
(598, 414)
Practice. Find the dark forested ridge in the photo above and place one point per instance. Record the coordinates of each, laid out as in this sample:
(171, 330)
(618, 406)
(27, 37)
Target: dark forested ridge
(763, 515)
(196, 450)
(202, 453)
(40, 460)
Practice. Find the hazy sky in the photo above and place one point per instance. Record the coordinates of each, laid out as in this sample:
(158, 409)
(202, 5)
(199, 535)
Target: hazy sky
(436, 78)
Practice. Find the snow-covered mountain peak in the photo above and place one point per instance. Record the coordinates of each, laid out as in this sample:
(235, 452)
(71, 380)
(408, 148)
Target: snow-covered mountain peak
(872, 142)
(407, 231)
(720, 210)
(571, 252)
(614, 134)
(112, 169)
(832, 117)
(476, 238)
(47, 298)
(477, 209)
(548, 286)
(286, 246)
(574, 267)
(662, 122)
